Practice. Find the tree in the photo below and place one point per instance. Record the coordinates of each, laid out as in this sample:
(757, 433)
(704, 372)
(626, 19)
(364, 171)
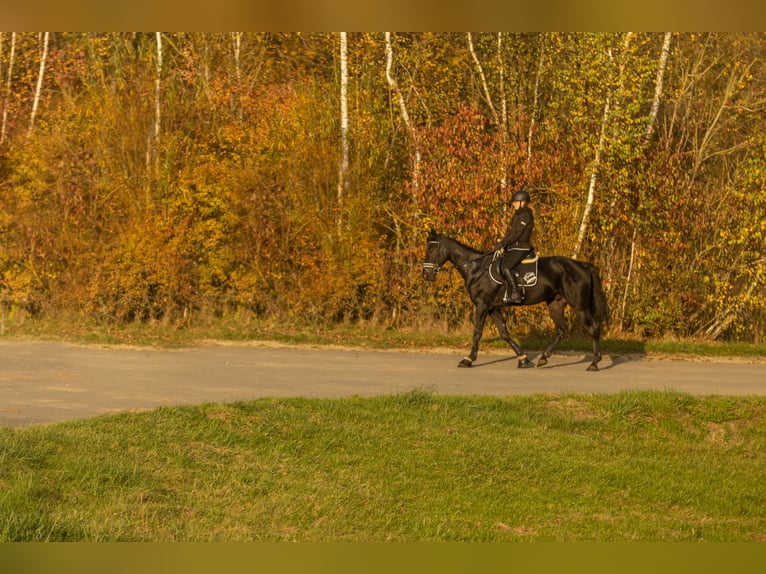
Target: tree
(394, 87)
(157, 96)
(38, 90)
(344, 161)
(7, 93)
(182, 174)
(597, 160)
(661, 66)
(650, 123)
(500, 119)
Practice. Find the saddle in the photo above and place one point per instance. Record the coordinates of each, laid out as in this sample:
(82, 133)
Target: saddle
(525, 272)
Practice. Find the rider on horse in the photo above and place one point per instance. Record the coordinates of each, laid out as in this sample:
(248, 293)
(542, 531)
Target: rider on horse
(516, 245)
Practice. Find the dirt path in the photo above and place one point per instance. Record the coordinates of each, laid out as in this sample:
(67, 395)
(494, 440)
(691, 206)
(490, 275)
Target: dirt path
(45, 382)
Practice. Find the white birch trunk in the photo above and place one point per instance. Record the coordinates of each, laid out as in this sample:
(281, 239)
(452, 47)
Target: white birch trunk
(592, 185)
(405, 115)
(157, 91)
(658, 87)
(499, 119)
(483, 78)
(236, 43)
(39, 88)
(593, 175)
(7, 95)
(600, 149)
(501, 67)
(153, 137)
(236, 40)
(344, 162)
(503, 119)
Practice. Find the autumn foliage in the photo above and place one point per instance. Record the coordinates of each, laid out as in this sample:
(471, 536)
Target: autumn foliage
(232, 208)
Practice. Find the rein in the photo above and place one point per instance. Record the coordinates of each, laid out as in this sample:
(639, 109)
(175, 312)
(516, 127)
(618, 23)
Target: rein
(438, 268)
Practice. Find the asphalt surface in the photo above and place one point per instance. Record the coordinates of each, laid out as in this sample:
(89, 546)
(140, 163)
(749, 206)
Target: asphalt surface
(46, 382)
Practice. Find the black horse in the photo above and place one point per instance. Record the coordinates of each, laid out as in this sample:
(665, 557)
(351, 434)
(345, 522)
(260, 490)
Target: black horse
(557, 281)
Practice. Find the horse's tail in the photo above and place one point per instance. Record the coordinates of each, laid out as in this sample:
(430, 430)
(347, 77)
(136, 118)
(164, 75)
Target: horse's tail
(599, 306)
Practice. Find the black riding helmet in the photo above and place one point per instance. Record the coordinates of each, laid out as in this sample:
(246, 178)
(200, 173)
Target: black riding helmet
(520, 195)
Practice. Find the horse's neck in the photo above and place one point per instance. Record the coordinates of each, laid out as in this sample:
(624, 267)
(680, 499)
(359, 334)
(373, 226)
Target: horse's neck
(460, 255)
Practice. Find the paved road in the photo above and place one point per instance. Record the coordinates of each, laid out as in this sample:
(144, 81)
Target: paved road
(45, 382)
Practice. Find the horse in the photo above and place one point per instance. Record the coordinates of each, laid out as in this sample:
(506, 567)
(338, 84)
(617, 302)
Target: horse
(556, 281)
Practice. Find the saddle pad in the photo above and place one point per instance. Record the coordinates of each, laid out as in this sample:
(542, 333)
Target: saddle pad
(526, 271)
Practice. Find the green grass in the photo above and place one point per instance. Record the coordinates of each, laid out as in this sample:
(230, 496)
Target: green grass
(239, 329)
(411, 467)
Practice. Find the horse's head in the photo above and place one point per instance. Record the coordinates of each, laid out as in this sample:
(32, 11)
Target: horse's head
(435, 256)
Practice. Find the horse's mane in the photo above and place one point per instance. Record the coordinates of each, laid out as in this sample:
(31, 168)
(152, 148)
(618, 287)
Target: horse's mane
(466, 246)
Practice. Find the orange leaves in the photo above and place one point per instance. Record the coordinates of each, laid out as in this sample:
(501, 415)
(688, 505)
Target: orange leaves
(461, 177)
(240, 210)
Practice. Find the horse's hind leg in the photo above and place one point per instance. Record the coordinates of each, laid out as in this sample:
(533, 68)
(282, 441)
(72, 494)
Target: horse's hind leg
(497, 317)
(594, 328)
(556, 309)
(595, 332)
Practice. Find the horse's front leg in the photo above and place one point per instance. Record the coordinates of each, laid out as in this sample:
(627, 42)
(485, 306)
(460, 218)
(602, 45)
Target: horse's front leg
(478, 329)
(497, 317)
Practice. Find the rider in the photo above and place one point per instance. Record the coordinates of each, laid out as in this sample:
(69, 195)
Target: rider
(516, 244)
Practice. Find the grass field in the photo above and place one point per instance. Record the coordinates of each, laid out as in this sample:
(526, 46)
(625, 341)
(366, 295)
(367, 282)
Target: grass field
(411, 467)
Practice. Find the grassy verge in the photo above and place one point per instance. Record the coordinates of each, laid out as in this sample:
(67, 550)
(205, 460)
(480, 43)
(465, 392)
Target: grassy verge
(372, 336)
(632, 466)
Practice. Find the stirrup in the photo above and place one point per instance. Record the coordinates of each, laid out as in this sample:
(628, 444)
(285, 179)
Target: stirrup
(512, 296)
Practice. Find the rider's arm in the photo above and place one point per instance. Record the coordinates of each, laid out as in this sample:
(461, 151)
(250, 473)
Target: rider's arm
(519, 223)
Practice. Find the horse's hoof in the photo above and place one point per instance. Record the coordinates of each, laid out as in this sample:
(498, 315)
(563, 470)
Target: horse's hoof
(593, 367)
(465, 364)
(542, 361)
(524, 363)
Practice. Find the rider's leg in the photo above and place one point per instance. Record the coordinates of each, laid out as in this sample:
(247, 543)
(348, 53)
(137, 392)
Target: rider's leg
(512, 294)
(511, 259)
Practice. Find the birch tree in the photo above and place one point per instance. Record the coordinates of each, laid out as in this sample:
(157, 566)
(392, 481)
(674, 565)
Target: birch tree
(157, 90)
(38, 89)
(236, 42)
(592, 181)
(501, 71)
(394, 87)
(584, 222)
(153, 145)
(658, 87)
(344, 162)
(500, 119)
(483, 78)
(236, 45)
(7, 94)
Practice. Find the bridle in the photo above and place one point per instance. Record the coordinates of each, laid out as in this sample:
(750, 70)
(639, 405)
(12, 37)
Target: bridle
(435, 266)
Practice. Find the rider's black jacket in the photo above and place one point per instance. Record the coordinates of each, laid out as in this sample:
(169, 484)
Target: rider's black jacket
(520, 232)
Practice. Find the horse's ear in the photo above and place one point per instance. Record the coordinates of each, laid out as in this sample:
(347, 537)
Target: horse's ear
(431, 234)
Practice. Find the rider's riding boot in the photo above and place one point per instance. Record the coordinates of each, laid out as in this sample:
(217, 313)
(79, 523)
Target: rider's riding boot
(512, 294)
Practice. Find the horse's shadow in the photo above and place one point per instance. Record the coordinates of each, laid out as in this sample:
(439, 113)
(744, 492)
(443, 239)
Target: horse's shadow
(616, 361)
(493, 362)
